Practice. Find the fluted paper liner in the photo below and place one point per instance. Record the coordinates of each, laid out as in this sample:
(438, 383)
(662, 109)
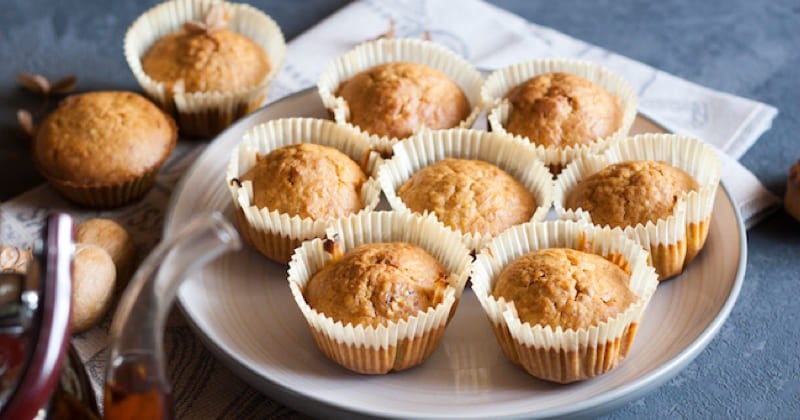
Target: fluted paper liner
(429, 147)
(674, 241)
(499, 109)
(392, 346)
(271, 232)
(560, 355)
(105, 196)
(204, 113)
(381, 51)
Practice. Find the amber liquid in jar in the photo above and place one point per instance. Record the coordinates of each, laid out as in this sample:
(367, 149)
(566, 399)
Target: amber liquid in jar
(135, 392)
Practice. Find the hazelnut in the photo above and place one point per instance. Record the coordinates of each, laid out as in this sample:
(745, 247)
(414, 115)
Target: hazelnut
(113, 238)
(93, 277)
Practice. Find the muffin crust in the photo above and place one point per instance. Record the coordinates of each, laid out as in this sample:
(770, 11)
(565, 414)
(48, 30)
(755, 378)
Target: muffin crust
(561, 287)
(561, 109)
(631, 192)
(103, 138)
(469, 196)
(376, 283)
(219, 61)
(307, 180)
(395, 99)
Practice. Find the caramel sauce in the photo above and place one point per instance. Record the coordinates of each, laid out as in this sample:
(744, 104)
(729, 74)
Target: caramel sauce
(134, 393)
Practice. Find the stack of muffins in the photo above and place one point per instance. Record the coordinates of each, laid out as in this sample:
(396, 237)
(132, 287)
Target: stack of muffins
(564, 297)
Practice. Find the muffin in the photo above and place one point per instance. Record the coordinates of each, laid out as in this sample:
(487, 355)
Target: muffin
(397, 99)
(290, 177)
(564, 108)
(393, 88)
(564, 298)
(658, 188)
(378, 292)
(307, 180)
(469, 196)
(208, 73)
(476, 183)
(631, 192)
(563, 287)
(103, 149)
(373, 284)
(791, 201)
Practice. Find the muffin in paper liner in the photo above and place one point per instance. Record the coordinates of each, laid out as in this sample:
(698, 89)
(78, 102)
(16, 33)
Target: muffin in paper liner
(204, 113)
(501, 81)
(560, 355)
(277, 234)
(429, 147)
(380, 51)
(674, 241)
(391, 346)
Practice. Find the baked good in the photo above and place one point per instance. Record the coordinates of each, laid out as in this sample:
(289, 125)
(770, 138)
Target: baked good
(563, 287)
(397, 99)
(218, 61)
(658, 188)
(378, 282)
(791, 201)
(378, 291)
(289, 177)
(115, 240)
(564, 298)
(392, 88)
(469, 196)
(208, 63)
(93, 278)
(562, 109)
(475, 182)
(631, 193)
(103, 149)
(307, 180)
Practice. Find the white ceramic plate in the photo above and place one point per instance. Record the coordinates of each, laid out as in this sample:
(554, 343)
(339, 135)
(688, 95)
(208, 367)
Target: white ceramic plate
(241, 307)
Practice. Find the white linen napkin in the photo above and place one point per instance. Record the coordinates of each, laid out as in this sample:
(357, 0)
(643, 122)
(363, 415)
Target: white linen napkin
(492, 38)
(487, 36)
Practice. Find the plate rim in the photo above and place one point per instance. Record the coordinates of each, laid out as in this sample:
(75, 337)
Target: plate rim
(592, 406)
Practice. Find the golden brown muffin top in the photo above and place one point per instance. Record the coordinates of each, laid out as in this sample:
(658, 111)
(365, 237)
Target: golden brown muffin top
(631, 192)
(469, 196)
(103, 138)
(220, 61)
(561, 287)
(307, 180)
(561, 109)
(395, 99)
(376, 283)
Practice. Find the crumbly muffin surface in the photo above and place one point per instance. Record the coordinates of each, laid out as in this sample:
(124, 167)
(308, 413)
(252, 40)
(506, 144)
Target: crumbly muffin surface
(220, 61)
(469, 196)
(103, 138)
(395, 99)
(631, 192)
(561, 109)
(307, 180)
(376, 283)
(560, 287)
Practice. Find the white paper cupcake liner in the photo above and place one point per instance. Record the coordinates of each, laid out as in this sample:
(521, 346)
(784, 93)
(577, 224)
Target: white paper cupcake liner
(668, 240)
(501, 81)
(204, 113)
(429, 147)
(391, 346)
(556, 354)
(380, 51)
(273, 233)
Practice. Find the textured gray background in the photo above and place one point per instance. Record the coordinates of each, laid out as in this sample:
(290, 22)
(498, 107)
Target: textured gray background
(748, 48)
